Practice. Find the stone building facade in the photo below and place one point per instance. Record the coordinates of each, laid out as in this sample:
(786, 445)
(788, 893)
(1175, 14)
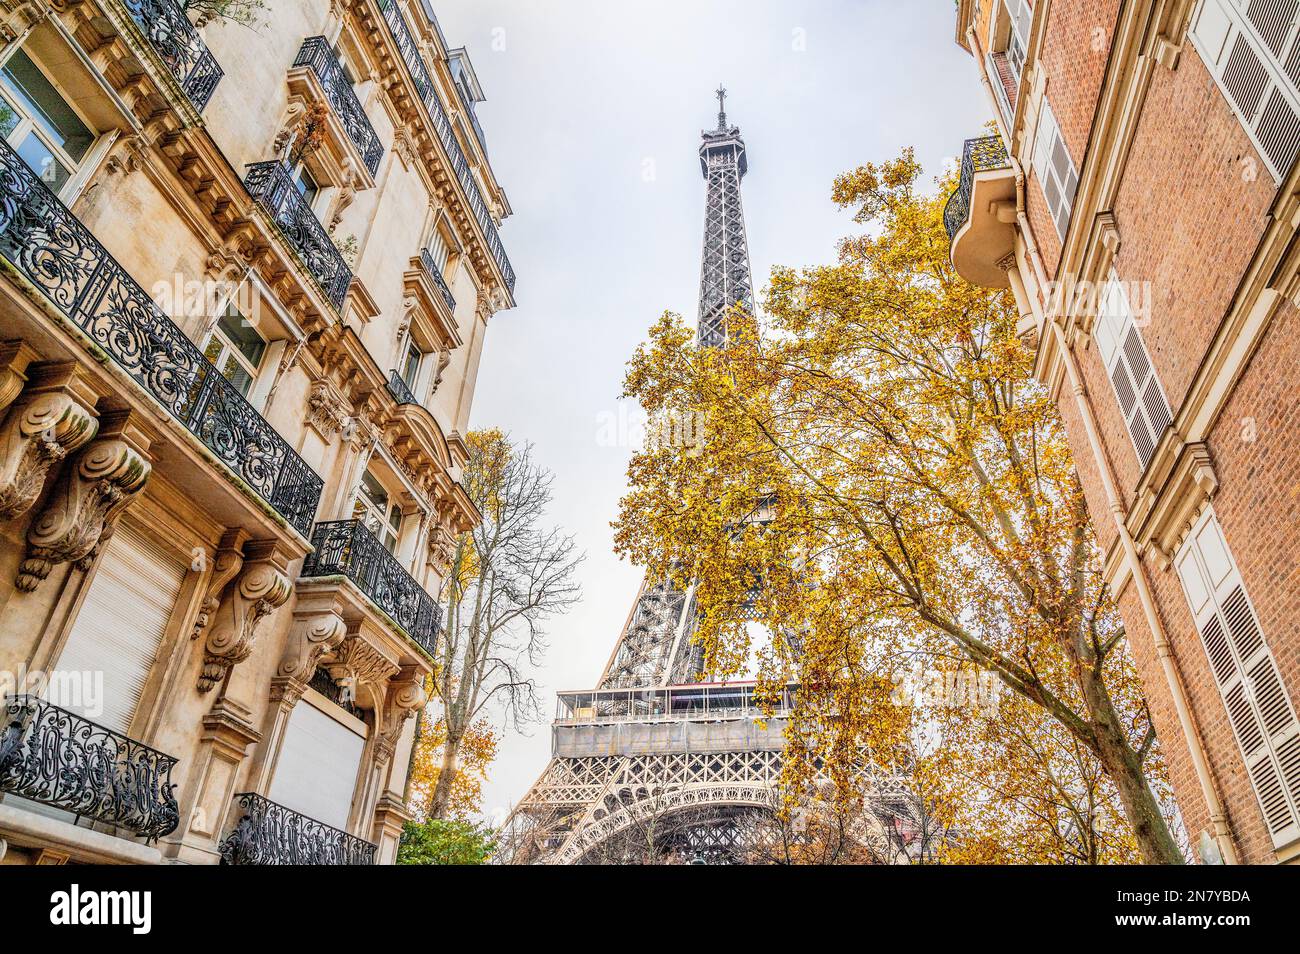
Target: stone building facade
(247, 276)
(1141, 199)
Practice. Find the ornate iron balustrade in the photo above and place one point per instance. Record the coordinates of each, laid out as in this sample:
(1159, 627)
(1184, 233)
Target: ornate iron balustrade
(51, 248)
(176, 40)
(316, 53)
(447, 136)
(270, 834)
(58, 758)
(400, 390)
(430, 266)
(978, 155)
(347, 548)
(272, 186)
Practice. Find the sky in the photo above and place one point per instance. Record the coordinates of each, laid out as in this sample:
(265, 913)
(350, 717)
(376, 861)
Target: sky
(593, 117)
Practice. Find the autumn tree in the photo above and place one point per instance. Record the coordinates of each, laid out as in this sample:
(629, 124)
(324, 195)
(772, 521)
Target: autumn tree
(507, 577)
(920, 490)
(463, 794)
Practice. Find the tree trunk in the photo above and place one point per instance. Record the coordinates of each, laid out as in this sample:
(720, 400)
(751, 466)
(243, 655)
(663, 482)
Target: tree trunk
(1124, 765)
(446, 775)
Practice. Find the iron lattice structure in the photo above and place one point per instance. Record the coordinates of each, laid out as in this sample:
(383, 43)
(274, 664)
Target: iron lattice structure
(653, 765)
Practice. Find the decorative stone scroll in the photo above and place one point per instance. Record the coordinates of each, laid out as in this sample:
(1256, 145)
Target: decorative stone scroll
(261, 587)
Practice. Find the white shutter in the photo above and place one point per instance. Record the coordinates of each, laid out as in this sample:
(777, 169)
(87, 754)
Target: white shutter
(316, 773)
(1251, 49)
(1124, 354)
(1259, 709)
(1055, 168)
(121, 625)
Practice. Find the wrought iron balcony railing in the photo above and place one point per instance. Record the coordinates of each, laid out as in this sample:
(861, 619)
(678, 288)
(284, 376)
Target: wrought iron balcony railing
(430, 266)
(270, 834)
(58, 758)
(272, 186)
(176, 40)
(316, 53)
(446, 135)
(400, 390)
(347, 548)
(978, 155)
(51, 248)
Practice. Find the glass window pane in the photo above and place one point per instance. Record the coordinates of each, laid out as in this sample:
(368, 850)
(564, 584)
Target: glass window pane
(9, 117)
(243, 336)
(38, 155)
(38, 95)
(235, 373)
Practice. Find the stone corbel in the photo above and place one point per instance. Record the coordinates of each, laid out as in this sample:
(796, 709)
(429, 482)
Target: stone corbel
(50, 420)
(406, 697)
(228, 561)
(327, 412)
(359, 665)
(261, 586)
(314, 634)
(1166, 513)
(91, 493)
(15, 356)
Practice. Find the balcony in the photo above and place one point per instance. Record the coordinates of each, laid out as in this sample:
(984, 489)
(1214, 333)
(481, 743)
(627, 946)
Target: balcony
(270, 834)
(57, 758)
(347, 548)
(406, 46)
(177, 42)
(980, 215)
(435, 273)
(316, 53)
(50, 247)
(272, 186)
(400, 390)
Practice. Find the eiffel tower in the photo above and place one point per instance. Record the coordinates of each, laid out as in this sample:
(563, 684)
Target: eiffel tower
(653, 758)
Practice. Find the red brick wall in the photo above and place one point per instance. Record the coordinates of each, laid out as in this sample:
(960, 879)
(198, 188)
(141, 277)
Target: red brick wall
(1189, 221)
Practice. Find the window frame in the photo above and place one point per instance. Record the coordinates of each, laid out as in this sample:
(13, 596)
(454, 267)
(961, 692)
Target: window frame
(30, 125)
(230, 350)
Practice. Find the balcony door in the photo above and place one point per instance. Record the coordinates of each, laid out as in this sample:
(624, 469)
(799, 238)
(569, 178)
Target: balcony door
(110, 653)
(316, 774)
(381, 514)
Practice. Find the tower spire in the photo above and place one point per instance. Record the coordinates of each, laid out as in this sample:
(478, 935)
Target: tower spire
(724, 270)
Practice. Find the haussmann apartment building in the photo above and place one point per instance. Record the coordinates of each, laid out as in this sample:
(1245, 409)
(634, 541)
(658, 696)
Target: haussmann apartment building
(1141, 198)
(247, 275)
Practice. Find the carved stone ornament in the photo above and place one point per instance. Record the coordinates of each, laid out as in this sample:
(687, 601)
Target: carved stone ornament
(228, 561)
(357, 663)
(309, 640)
(261, 587)
(35, 435)
(326, 410)
(90, 495)
(406, 697)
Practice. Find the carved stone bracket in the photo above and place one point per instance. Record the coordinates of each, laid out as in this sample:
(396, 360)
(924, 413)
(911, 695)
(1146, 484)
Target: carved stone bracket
(49, 421)
(261, 586)
(228, 561)
(313, 635)
(406, 697)
(15, 356)
(91, 493)
(358, 664)
(327, 411)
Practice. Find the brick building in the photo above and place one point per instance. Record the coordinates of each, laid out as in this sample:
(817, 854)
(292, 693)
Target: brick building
(1141, 198)
(246, 280)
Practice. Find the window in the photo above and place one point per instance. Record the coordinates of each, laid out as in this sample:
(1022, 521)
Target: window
(1056, 172)
(1258, 706)
(39, 123)
(440, 248)
(1022, 18)
(381, 515)
(1146, 411)
(1251, 49)
(306, 183)
(236, 349)
(411, 365)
